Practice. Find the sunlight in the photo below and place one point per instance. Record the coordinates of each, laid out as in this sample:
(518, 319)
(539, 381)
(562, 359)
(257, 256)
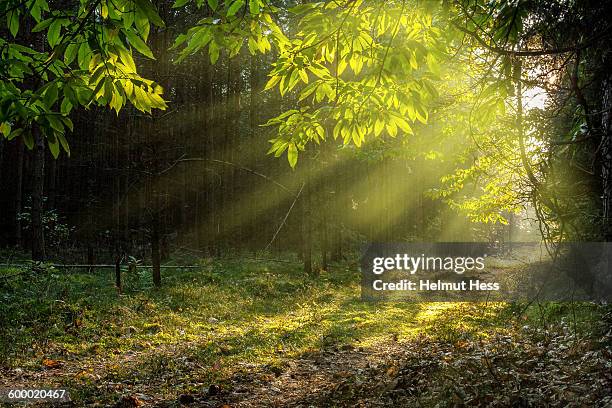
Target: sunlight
(239, 203)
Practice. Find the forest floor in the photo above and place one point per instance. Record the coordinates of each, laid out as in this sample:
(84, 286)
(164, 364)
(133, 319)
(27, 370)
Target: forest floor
(251, 333)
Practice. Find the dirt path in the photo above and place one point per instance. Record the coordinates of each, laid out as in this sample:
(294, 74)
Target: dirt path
(328, 377)
(501, 371)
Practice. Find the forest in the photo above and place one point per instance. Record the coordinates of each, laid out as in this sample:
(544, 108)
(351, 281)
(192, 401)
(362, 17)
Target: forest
(191, 191)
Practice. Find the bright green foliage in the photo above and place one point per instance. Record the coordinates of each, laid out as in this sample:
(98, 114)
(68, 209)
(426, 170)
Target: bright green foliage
(359, 69)
(229, 26)
(476, 137)
(72, 58)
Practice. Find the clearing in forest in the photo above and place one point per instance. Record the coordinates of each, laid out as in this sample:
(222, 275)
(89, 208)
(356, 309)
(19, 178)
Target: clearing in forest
(243, 332)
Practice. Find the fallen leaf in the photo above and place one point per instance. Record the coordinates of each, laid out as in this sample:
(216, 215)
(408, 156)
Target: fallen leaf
(392, 371)
(49, 363)
(128, 401)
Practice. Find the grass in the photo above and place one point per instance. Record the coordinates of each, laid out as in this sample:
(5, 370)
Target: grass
(204, 325)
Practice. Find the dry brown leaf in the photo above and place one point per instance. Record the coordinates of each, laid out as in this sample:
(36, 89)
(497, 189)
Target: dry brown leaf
(392, 371)
(129, 401)
(49, 363)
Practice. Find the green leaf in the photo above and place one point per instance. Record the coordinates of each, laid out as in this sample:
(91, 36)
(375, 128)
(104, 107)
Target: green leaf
(293, 78)
(253, 45)
(84, 56)
(36, 9)
(402, 124)
(213, 50)
(392, 129)
(139, 44)
(356, 136)
(422, 114)
(42, 25)
(71, 52)
(68, 123)
(233, 9)
(66, 106)
(142, 24)
(50, 95)
(292, 155)
(128, 19)
(28, 140)
(338, 129)
(62, 139)
(272, 82)
(180, 3)
(411, 111)
(53, 147)
(55, 123)
(379, 125)
(303, 75)
(53, 34)
(307, 91)
(15, 133)
(127, 59)
(254, 7)
(12, 19)
(180, 39)
(213, 4)
(5, 128)
(149, 10)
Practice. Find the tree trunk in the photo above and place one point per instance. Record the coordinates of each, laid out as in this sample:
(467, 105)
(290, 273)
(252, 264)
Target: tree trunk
(324, 246)
(90, 258)
(307, 223)
(206, 230)
(155, 253)
(38, 179)
(19, 192)
(118, 273)
(606, 158)
(51, 182)
(336, 251)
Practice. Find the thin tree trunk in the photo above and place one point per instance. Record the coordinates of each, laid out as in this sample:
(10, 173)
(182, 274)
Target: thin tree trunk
(90, 258)
(19, 192)
(232, 146)
(206, 230)
(127, 162)
(606, 158)
(118, 273)
(155, 253)
(324, 246)
(52, 173)
(307, 223)
(336, 235)
(38, 181)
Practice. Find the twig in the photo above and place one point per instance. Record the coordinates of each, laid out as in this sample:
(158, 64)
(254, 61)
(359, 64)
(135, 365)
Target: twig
(286, 216)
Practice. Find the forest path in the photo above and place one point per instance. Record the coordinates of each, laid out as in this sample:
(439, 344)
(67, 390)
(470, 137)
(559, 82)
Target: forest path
(321, 378)
(511, 369)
